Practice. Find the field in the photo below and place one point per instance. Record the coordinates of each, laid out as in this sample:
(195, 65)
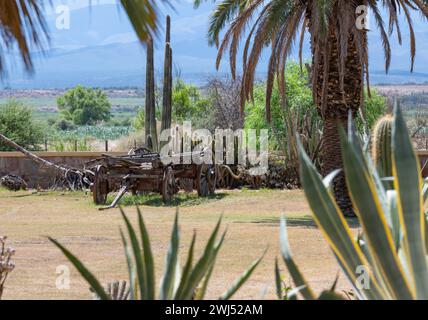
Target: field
(252, 219)
(124, 101)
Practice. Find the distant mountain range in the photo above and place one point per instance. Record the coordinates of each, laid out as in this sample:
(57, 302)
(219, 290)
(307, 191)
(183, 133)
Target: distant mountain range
(100, 49)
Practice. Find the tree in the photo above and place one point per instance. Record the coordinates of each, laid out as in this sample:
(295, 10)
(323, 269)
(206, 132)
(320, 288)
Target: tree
(17, 123)
(187, 102)
(339, 55)
(84, 105)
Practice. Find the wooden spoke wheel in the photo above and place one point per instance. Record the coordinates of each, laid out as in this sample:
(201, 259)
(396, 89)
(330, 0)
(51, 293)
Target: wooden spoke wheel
(168, 185)
(206, 180)
(100, 187)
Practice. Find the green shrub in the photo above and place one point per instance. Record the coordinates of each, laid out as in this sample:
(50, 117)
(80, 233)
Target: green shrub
(139, 120)
(65, 125)
(17, 123)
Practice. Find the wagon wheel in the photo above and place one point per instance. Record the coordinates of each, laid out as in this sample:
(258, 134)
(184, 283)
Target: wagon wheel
(100, 187)
(206, 180)
(168, 185)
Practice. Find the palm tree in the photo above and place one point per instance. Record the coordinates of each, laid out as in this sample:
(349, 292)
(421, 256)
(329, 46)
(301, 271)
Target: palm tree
(339, 54)
(22, 26)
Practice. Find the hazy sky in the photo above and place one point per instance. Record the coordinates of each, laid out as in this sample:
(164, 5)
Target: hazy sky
(100, 47)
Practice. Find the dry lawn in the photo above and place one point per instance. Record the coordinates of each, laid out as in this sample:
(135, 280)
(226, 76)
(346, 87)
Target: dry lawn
(252, 218)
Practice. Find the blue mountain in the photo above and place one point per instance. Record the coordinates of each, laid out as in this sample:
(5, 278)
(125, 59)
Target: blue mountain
(100, 49)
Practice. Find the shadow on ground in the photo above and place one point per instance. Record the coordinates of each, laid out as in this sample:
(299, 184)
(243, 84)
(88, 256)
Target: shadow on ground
(179, 200)
(304, 222)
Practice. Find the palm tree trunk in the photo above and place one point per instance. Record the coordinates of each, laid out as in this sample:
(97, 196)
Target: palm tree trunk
(332, 160)
(335, 110)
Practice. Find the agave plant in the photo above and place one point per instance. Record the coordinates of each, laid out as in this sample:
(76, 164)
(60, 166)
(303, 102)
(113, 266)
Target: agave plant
(392, 247)
(189, 282)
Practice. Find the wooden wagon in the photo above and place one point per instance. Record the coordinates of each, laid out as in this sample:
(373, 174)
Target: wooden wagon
(144, 171)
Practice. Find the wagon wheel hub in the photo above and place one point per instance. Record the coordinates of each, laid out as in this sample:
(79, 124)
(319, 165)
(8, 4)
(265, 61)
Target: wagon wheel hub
(206, 180)
(100, 187)
(168, 185)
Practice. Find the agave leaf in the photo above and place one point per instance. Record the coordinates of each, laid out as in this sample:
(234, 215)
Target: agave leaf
(147, 257)
(380, 190)
(354, 139)
(372, 217)
(330, 295)
(187, 269)
(293, 293)
(168, 281)
(333, 225)
(328, 180)
(203, 264)
(425, 191)
(131, 268)
(295, 273)
(278, 281)
(200, 292)
(395, 219)
(140, 268)
(426, 233)
(408, 184)
(242, 279)
(85, 273)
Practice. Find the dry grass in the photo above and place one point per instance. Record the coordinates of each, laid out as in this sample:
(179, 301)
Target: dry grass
(252, 218)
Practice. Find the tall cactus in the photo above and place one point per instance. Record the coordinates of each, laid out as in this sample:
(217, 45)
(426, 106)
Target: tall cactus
(167, 81)
(150, 108)
(381, 146)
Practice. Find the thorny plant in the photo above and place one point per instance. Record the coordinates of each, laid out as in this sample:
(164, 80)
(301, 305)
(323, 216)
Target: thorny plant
(6, 266)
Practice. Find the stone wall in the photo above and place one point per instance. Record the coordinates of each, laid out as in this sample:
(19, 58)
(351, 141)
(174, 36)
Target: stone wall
(16, 163)
(36, 176)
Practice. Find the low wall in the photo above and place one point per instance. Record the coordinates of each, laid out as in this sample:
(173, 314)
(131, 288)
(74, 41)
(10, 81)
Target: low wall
(37, 176)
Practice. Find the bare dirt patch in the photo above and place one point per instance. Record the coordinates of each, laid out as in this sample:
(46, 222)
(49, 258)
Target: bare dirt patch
(252, 218)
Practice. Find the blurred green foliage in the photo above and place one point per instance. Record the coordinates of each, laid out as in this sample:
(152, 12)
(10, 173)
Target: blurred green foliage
(17, 123)
(187, 102)
(298, 98)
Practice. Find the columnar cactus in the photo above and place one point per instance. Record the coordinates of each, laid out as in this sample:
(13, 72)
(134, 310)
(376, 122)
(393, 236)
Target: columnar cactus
(167, 80)
(381, 145)
(150, 108)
